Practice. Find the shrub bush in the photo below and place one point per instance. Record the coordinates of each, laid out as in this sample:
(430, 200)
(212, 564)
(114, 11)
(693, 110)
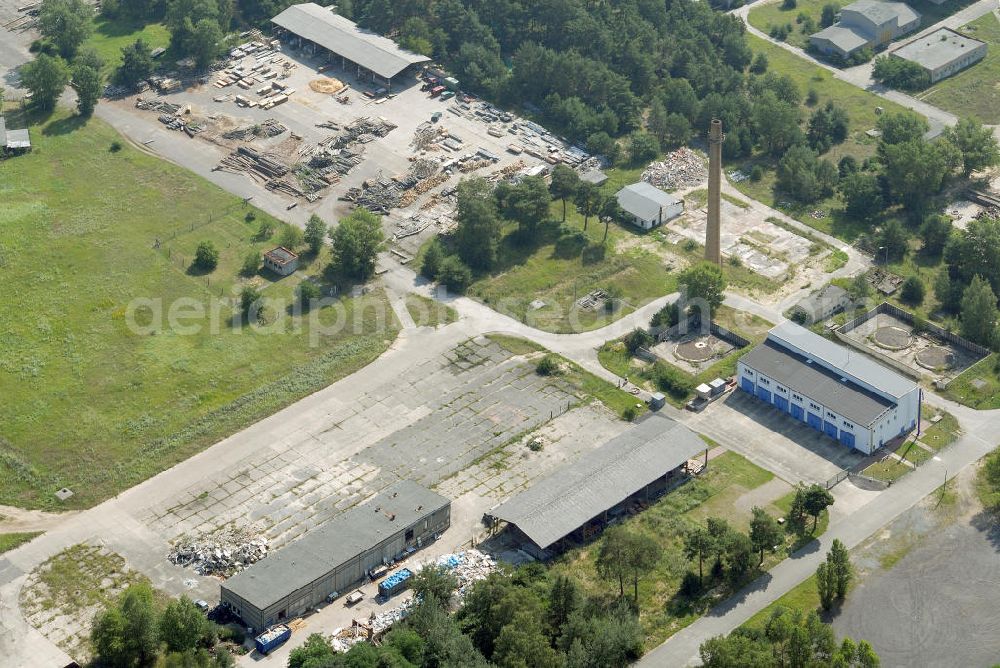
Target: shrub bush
(548, 366)
(671, 380)
(206, 256)
(454, 275)
(115, 146)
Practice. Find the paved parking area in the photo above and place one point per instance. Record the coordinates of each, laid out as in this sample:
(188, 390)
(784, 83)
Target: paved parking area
(773, 440)
(434, 422)
(937, 606)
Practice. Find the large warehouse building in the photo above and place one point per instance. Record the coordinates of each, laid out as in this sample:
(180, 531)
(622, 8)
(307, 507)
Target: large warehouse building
(318, 28)
(336, 556)
(840, 392)
(577, 500)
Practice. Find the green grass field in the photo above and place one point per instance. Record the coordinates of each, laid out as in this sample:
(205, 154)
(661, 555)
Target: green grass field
(428, 312)
(662, 611)
(10, 541)
(97, 405)
(978, 386)
(559, 276)
(975, 91)
(765, 16)
(110, 36)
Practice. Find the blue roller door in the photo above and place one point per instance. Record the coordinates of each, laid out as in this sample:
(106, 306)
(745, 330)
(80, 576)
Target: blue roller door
(781, 403)
(764, 394)
(815, 421)
(847, 438)
(797, 412)
(830, 429)
(747, 385)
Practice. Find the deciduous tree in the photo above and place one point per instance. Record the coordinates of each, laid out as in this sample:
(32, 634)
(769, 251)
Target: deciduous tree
(67, 23)
(315, 234)
(976, 143)
(565, 183)
(356, 242)
(478, 234)
(46, 77)
(88, 84)
(979, 312)
(765, 532)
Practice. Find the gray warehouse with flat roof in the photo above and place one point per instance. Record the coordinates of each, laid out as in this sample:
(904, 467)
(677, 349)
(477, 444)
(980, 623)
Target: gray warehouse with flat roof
(336, 556)
(577, 499)
(942, 52)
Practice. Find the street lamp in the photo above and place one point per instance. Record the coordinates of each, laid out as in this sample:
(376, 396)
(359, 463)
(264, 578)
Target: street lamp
(885, 261)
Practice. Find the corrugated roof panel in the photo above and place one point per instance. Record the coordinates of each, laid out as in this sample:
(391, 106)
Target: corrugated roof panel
(560, 503)
(343, 37)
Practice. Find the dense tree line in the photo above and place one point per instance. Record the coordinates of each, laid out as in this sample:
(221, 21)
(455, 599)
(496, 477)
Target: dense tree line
(790, 639)
(136, 631)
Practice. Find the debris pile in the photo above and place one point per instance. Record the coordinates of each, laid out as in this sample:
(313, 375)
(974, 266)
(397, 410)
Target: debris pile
(267, 128)
(157, 105)
(224, 554)
(422, 169)
(362, 130)
(377, 195)
(247, 159)
(468, 567)
(681, 169)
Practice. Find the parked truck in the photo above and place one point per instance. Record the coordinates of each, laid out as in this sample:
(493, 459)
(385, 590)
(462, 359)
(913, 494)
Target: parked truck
(395, 583)
(271, 638)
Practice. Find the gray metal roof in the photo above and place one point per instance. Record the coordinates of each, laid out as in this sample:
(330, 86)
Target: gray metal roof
(341, 539)
(565, 500)
(341, 36)
(18, 139)
(881, 12)
(816, 382)
(845, 361)
(281, 255)
(595, 176)
(644, 200)
(846, 38)
(937, 49)
(827, 295)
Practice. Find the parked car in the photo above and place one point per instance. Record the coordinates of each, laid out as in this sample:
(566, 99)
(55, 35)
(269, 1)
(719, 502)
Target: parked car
(202, 605)
(437, 90)
(435, 117)
(447, 95)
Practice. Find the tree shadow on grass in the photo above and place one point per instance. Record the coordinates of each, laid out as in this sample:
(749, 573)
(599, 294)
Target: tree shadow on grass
(988, 522)
(65, 126)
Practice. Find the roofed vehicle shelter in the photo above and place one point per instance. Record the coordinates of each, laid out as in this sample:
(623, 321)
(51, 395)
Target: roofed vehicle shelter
(319, 28)
(337, 555)
(577, 500)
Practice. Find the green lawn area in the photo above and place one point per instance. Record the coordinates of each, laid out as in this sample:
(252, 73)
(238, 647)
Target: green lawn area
(97, 405)
(110, 36)
(9, 541)
(663, 610)
(889, 470)
(860, 106)
(941, 434)
(976, 91)
(428, 312)
(765, 16)
(560, 274)
(586, 383)
(978, 386)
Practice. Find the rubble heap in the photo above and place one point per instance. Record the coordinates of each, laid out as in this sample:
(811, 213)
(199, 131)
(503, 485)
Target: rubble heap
(223, 554)
(681, 169)
(362, 130)
(422, 169)
(267, 128)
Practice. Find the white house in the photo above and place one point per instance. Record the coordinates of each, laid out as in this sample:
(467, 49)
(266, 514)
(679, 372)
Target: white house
(833, 389)
(647, 205)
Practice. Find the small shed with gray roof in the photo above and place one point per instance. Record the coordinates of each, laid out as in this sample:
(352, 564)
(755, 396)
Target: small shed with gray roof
(577, 500)
(13, 141)
(336, 556)
(833, 389)
(942, 52)
(647, 205)
(820, 305)
(319, 27)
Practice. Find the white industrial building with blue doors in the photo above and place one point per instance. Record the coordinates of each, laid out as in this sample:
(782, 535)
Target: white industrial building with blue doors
(835, 390)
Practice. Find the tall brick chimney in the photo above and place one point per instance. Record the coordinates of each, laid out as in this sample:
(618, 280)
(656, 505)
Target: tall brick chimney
(713, 251)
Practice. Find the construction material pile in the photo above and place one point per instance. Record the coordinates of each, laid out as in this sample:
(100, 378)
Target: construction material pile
(157, 105)
(248, 159)
(223, 554)
(378, 195)
(411, 195)
(681, 169)
(468, 567)
(268, 128)
(422, 169)
(362, 130)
